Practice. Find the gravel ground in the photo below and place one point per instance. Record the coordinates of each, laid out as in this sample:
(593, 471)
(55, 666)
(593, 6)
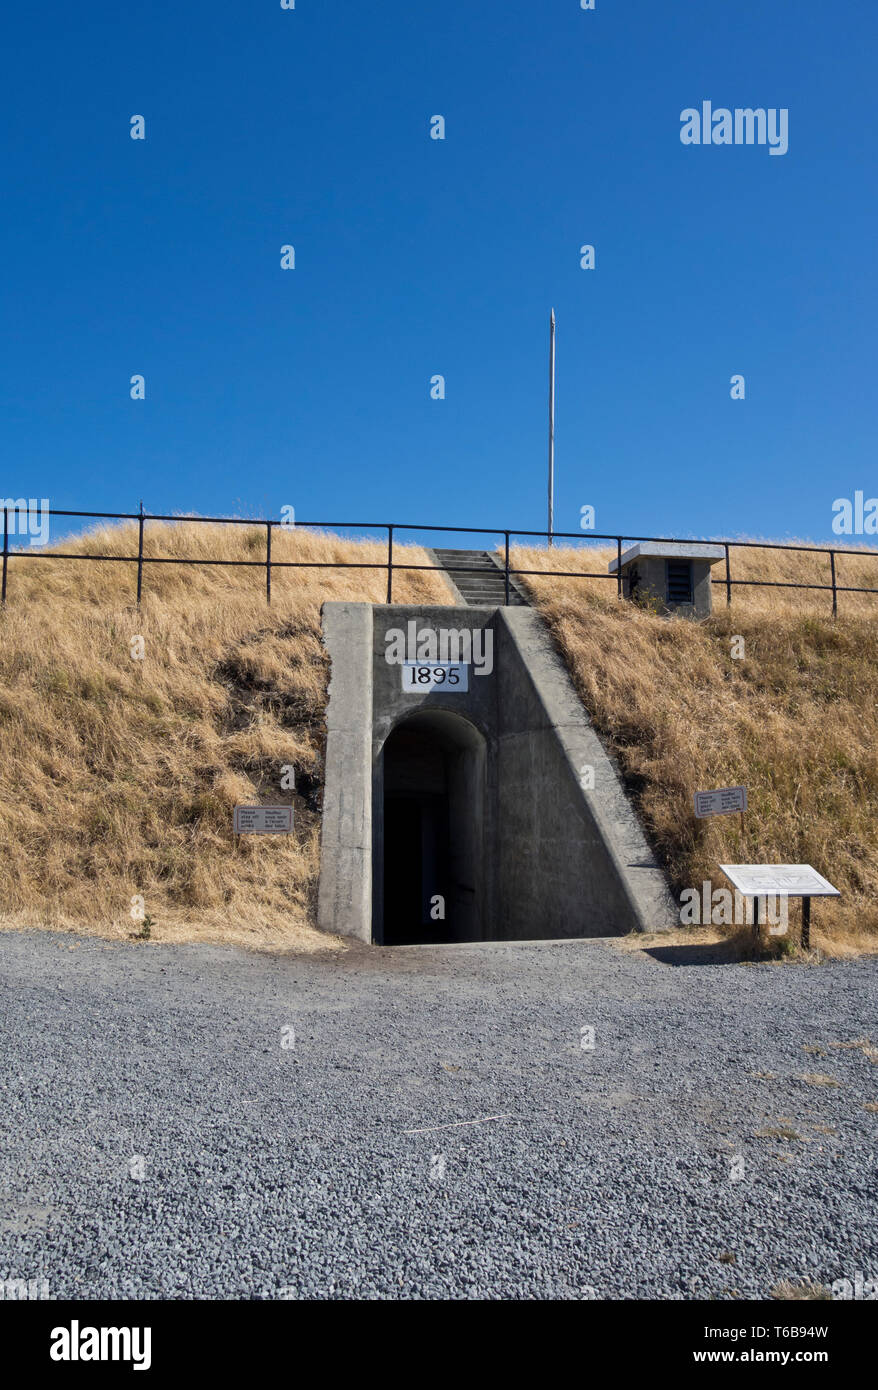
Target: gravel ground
(160, 1141)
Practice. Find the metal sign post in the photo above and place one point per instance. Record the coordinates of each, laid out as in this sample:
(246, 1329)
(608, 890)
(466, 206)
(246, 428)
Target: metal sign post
(551, 428)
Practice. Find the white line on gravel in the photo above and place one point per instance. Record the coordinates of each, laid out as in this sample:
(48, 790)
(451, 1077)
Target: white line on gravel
(455, 1124)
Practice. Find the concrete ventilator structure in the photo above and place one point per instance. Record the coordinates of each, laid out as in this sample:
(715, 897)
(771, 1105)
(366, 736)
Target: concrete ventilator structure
(673, 577)
(481, 808)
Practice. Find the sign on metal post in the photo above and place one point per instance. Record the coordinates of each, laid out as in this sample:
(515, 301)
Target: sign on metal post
(725, 801)
(263, 820)
(779, 880)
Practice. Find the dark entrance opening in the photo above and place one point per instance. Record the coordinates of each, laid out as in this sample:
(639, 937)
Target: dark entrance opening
(433, 826)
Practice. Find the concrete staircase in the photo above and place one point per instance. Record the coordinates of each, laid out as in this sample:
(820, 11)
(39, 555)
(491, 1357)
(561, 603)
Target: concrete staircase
(485, 585)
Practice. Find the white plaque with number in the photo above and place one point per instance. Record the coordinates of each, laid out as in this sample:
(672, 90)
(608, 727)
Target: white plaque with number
(420, 677)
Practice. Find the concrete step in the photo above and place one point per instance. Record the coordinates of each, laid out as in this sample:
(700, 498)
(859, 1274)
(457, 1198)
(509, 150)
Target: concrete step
(478, 579)
(470, 581)
(468, 566)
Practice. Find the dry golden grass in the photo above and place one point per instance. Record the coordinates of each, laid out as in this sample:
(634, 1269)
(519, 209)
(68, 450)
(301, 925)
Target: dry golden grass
(796, 720)
(788, 1289)
(119, 777)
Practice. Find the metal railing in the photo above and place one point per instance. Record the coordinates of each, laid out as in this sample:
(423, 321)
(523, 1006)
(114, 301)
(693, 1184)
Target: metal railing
(268, 564)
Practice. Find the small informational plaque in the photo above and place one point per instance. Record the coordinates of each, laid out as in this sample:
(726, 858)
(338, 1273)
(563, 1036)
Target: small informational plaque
(779, 880)
(418, 677)
(263, 820)
(723, 802)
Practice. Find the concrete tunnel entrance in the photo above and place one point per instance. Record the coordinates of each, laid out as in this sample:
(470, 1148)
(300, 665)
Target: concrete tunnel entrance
(471, 795)
(428, 854)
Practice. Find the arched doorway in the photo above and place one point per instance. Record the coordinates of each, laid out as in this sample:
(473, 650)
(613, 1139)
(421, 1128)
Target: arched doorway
(430, 843)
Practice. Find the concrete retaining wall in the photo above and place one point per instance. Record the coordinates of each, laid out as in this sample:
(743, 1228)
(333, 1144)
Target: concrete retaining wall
(345, 897)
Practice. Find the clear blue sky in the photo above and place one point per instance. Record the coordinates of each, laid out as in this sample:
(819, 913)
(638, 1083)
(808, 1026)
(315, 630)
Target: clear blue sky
(416, 257)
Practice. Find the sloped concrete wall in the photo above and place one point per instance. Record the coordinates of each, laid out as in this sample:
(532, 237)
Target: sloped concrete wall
(559, 860)
(573, 861)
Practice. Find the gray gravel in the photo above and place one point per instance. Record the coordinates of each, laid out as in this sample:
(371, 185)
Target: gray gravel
(627, 1171)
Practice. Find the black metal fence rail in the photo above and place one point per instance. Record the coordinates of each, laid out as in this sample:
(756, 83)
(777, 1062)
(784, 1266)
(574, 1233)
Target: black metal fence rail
(390, 564)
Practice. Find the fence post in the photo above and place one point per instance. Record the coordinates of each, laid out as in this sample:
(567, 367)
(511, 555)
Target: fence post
(834, 587)
(618, 567)
(728, 579)
(268, 562)
(5, 549)
(506, 599)
(390, 564)
(140, 554)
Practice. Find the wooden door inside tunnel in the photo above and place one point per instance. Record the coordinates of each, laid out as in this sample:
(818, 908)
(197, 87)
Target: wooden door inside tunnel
(431, 831)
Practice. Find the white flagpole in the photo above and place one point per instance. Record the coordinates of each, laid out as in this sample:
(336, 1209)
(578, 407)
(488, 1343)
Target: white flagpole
(552, 428)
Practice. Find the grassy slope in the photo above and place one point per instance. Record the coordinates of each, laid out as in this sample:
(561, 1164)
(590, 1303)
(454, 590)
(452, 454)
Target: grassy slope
(796, 720)
(118, 777)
